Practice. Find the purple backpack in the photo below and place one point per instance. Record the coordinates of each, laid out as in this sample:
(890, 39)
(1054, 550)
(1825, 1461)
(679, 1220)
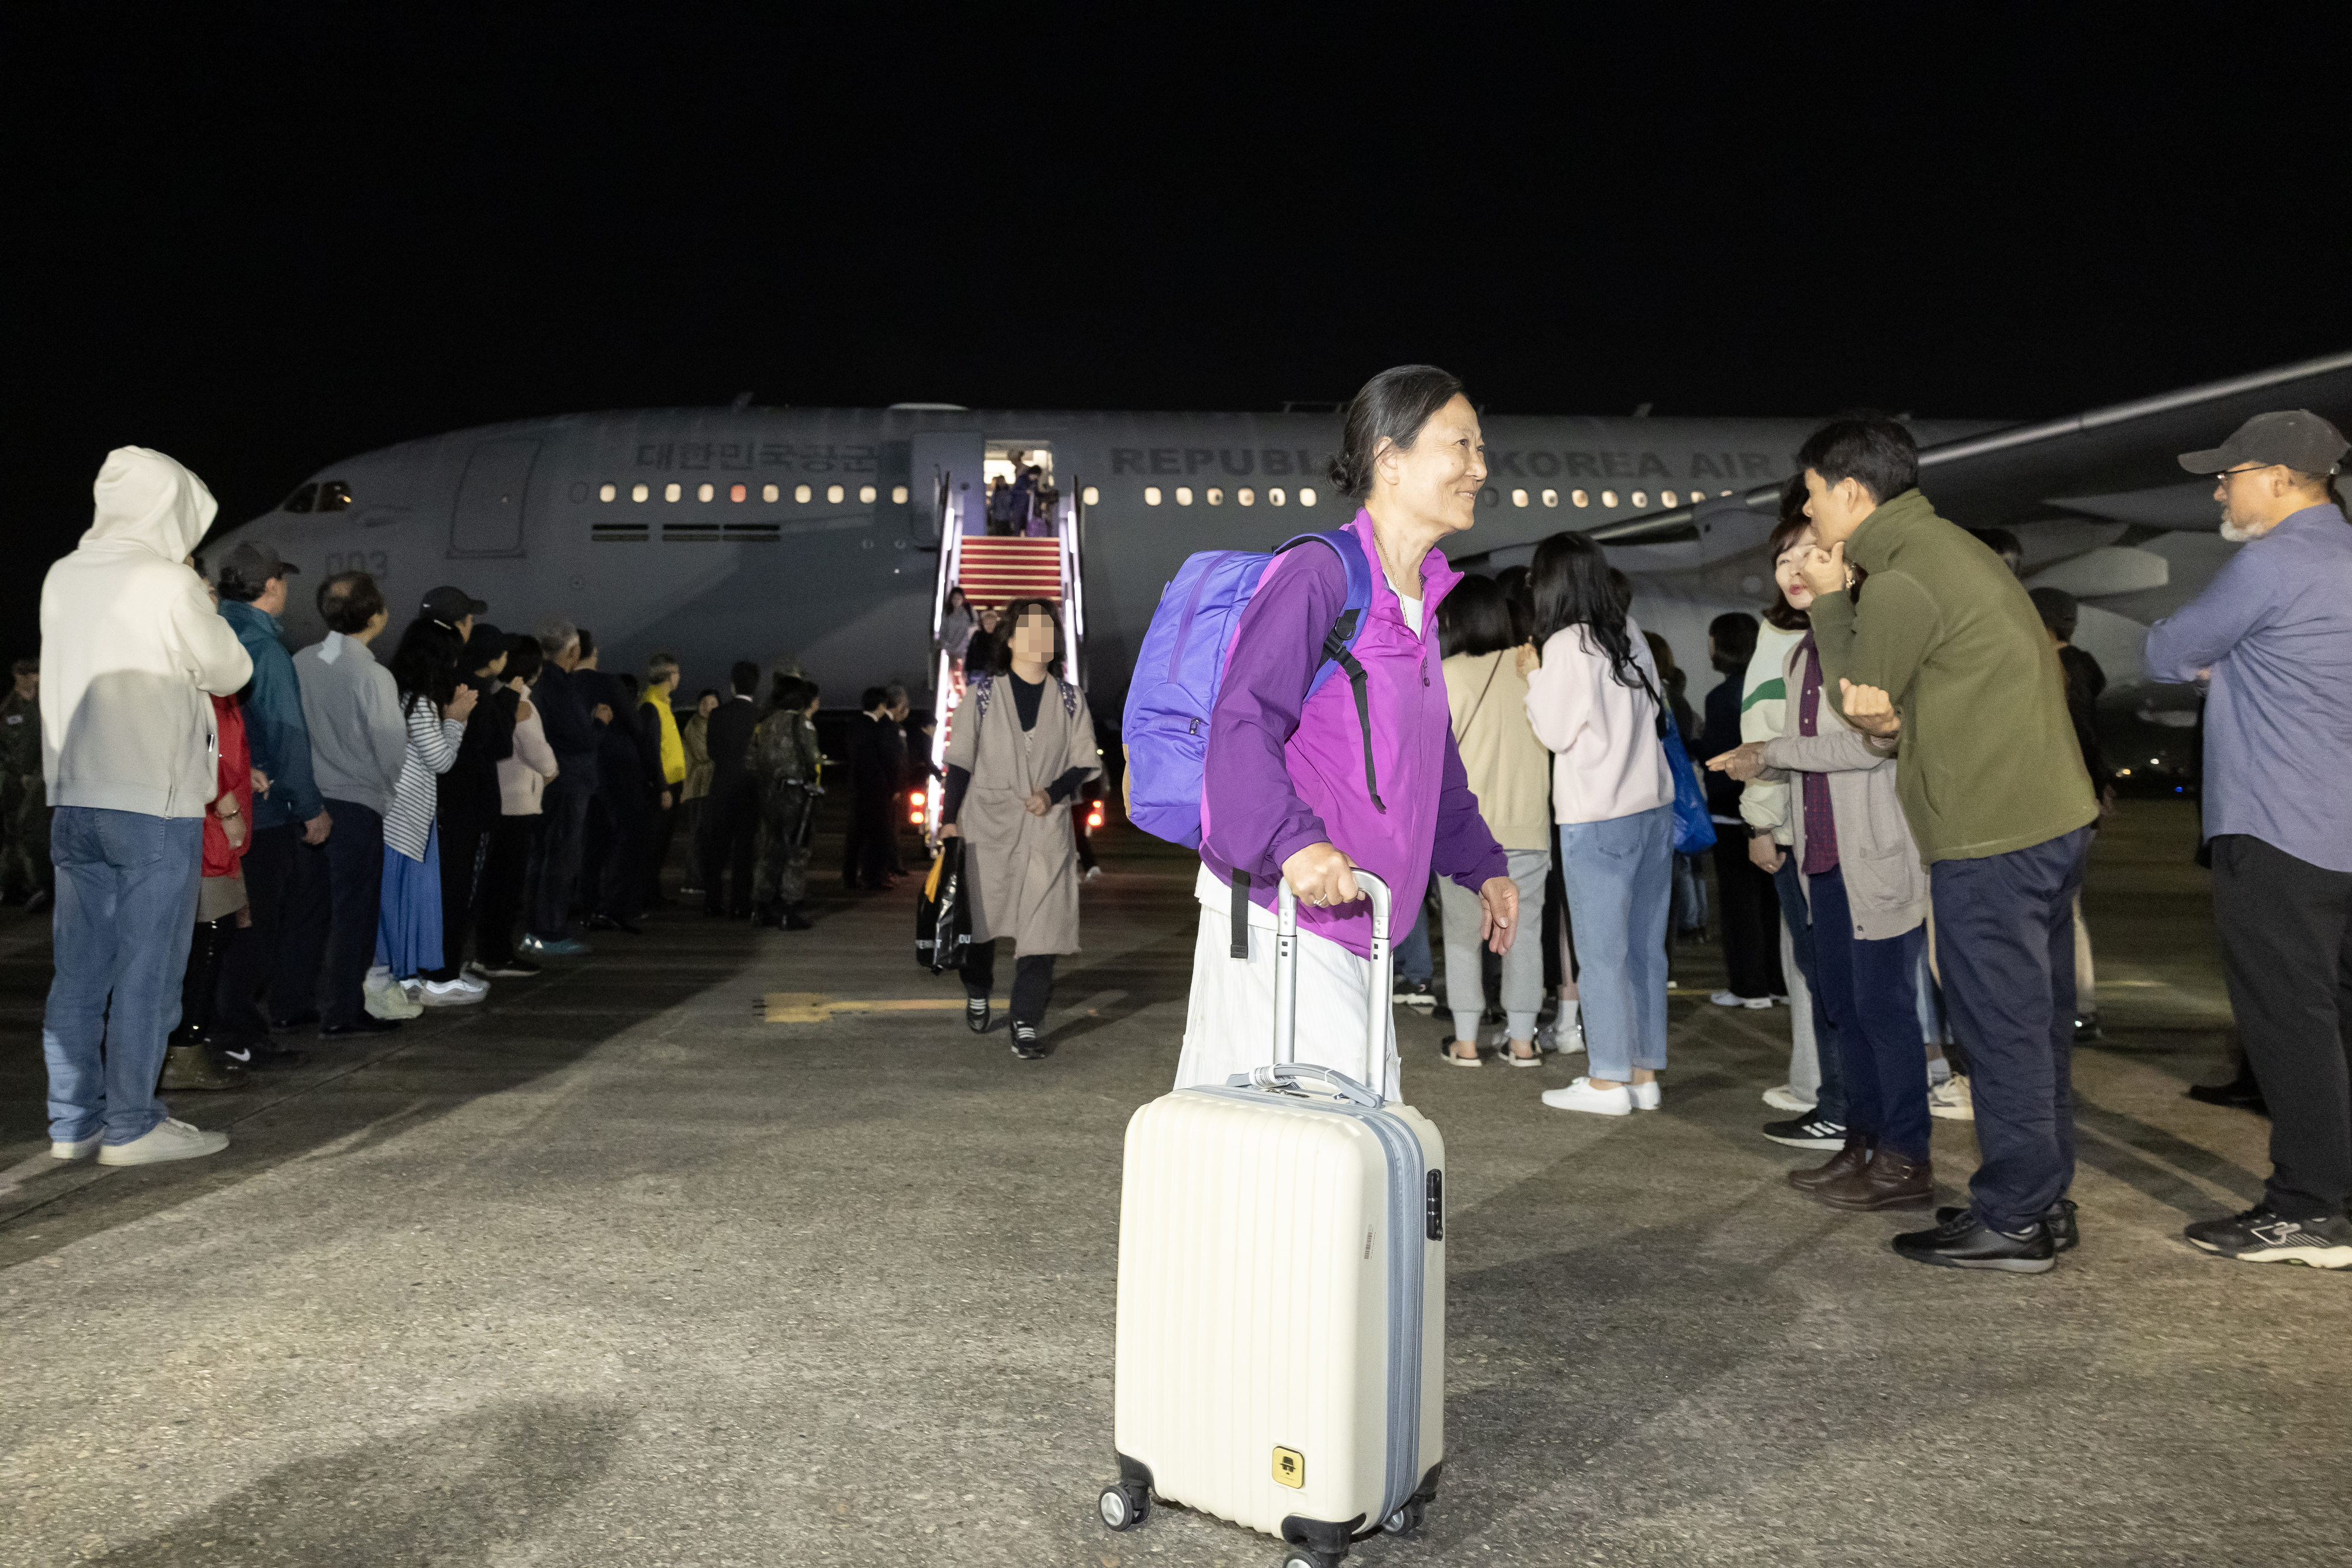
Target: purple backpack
(1182, 664)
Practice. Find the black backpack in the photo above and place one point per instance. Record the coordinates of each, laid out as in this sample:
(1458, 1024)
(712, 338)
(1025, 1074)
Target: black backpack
(943, 919)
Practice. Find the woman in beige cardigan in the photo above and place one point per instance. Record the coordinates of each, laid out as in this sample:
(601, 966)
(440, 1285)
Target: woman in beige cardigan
(1868, 894)
(1020, 745)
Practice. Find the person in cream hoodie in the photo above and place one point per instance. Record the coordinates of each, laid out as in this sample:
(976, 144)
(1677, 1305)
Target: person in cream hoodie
(132, 650)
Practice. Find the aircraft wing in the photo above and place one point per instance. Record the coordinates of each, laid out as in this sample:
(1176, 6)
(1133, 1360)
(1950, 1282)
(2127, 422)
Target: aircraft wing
(2116, 463)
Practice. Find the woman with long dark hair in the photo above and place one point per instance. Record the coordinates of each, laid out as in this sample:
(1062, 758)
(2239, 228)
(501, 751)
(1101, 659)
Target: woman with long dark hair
(1596, 702)
(434, 705)
(1020, 747)
(1365, 771)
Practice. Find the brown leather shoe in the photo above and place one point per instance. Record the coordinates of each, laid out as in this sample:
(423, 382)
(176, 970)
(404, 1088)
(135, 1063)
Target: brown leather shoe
(194, 1067)
(1889, 1181)
(1844, 1163)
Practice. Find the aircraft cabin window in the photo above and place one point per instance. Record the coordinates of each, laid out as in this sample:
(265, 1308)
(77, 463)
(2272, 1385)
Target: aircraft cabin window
(1551, 497)
(898, 496)
(1151, 495)
(334, 496)
(1247, 497)
(1091, 495)
(1305, 496)
(640, 491)
(1183, 494)
(706, 492)
(833, 494)
(865, 495)
(802, 493)
(770, 493)
(1668, 497)
(1216, 497)
(671, 492)
(739, 492)
(1518, 498)
(1641, 499)
(608, 492)
(1579, 498)
(1275, 497)
(1608, 498)
(301, 499)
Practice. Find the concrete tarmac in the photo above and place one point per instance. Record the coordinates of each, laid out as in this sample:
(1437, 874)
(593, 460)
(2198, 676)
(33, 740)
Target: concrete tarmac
(612, 1269)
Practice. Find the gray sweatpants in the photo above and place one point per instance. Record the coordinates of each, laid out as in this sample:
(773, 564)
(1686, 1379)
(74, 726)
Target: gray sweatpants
(1466, 985)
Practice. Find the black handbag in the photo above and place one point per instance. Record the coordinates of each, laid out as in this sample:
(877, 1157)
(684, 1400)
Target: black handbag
(943, 920)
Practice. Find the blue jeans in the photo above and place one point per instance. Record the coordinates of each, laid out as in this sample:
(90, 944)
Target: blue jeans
(1620, 877)
(1414, 961)
(2005, 935)
(126, 909)
(1788, 883)
(1869, 990)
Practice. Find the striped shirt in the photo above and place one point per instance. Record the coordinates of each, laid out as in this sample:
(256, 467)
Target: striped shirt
(432, 748)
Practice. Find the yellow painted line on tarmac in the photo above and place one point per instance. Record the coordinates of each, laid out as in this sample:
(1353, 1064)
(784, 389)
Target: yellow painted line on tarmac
(816, 1006)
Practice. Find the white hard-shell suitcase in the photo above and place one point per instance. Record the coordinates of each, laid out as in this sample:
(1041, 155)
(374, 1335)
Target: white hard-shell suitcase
(1281, 1355)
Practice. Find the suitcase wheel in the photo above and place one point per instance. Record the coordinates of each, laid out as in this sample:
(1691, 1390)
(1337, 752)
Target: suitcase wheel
(1404, 1521)
(1307, 1557)
(1125, 1506)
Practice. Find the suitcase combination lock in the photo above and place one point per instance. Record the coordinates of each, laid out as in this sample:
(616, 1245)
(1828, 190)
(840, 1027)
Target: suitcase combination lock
(1437, 1206)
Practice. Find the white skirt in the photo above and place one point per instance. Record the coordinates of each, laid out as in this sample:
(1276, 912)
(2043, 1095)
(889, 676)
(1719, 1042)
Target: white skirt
(1229, 1027)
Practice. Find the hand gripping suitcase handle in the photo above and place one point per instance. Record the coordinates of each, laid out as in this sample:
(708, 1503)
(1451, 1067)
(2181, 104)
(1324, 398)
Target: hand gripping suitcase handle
(1291, 1074)
(1286, 977)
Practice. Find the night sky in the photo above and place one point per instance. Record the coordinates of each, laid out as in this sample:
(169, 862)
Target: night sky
(261, 247)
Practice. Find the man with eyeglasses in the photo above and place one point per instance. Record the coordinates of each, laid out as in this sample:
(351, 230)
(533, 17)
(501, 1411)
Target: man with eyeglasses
(2272, 639)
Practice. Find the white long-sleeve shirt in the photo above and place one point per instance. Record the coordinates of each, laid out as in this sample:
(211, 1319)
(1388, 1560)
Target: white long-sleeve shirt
(1607, 761)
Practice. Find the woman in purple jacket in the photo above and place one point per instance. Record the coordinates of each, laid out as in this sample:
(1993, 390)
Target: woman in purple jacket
(1285, 791)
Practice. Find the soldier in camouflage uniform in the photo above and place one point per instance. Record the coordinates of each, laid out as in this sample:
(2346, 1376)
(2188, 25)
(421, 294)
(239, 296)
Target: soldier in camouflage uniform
(785, 761)
(25, 870)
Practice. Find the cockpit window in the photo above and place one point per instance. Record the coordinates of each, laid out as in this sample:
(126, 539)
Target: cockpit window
(300, 501)
(334, 496)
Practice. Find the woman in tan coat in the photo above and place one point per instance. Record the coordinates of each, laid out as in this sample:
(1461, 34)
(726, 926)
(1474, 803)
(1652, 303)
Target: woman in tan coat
(1021, 745)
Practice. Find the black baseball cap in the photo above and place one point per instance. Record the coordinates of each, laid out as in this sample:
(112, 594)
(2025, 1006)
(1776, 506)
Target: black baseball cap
(451, 605)
(2298, 439)
(255, 563)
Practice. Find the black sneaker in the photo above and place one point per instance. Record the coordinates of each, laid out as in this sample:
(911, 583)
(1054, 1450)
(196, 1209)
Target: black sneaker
(975, 1014)
(1807, 1132)
(2261, 1236)
(360, 1027)
(300, 1020)
(1414, 994)
(1965, 1242)
(1025, 1043)
(2058, 1219)
(262, 1056)
(2087, 1030)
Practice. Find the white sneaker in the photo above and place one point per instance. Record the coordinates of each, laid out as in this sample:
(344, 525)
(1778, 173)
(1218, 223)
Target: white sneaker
(1951, 1100)
(1647, 1096)
(472, 982)
(169, 1139)
(1581, 1095)
(81, 1150)
(448, 994)
(385, 997)
(1781, 1097)
(1734, 999)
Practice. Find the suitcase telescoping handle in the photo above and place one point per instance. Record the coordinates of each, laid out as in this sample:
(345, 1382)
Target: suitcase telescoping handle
(1285, 1066)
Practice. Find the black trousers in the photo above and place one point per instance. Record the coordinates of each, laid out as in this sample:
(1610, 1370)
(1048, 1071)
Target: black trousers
(612, 876)
(1033, 980)
(1749, 908)
(2286, 952)
(730, 832)
(498, 897)
(354, 889)
(465, 841)
(870, 852)
(661, 826)
(555, 865)
(246, 971)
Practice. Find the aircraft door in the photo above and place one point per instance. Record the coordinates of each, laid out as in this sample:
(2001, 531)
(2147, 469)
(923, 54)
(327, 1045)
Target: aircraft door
(488, 516)
(944, 478)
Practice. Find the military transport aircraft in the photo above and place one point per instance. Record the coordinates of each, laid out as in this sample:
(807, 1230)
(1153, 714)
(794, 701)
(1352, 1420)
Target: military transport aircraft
(814, 535)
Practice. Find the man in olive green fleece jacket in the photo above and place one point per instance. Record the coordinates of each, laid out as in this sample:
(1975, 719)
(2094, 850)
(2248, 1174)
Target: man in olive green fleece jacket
(1942, 647)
